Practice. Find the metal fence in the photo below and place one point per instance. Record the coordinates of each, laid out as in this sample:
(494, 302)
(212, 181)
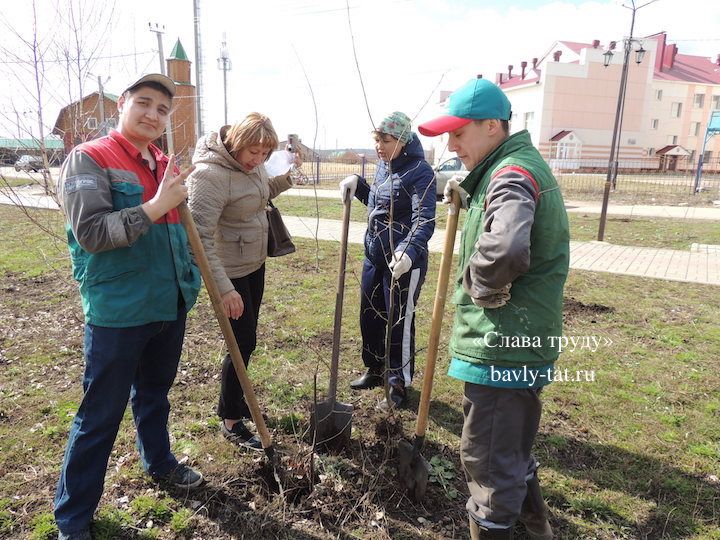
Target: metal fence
(641, 181)
(324, 171)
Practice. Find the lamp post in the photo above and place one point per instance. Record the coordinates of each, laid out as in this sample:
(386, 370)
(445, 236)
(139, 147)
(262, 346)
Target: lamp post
(611, 179)
(225, 65)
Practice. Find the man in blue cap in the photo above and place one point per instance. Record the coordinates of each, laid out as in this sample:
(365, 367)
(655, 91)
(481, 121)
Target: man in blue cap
(514, 259)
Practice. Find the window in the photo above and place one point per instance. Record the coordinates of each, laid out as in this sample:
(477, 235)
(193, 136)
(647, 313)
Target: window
(111, 123)
(658, 95)
(699, 101)
(528, 120)
(691, 157)
(91, 123)
(672, 139)
(654, 123)
(676, 109)
(694, 129)
(650, 151)
(707, 156)
(716, 102)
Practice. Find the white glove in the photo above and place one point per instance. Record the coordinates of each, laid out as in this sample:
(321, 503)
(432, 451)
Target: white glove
(400, 264)
(452, 184)
(348, 187)
(495, 299)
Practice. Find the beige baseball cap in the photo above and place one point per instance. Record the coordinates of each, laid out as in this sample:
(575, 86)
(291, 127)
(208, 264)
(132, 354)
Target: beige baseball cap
(159, 78)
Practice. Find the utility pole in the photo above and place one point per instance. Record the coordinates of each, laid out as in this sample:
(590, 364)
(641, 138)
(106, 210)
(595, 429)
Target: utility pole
(101, 106)
(225, 65)
(159, 31)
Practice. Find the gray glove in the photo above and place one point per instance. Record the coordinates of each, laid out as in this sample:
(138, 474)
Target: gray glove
(493, 298)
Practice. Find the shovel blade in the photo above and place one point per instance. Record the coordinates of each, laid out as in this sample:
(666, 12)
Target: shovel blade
(332, 424)
(413, 470)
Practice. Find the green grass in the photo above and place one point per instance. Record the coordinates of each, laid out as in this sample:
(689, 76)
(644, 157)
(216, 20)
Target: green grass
(630, 455)
(19, 180)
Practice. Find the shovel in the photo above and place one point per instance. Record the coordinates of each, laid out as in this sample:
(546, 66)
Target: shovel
(331, 420)
(230, 341)
(413, 469)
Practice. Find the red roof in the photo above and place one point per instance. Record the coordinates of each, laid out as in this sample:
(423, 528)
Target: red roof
(560, 135)
(532, 77)
(690, 68)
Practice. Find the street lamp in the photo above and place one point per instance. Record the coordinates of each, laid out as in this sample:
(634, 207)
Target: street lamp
(225, 65)
(617, 128)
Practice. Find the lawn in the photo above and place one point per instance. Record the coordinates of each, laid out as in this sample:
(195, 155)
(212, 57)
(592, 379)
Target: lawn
(623, 230)
(631, 453)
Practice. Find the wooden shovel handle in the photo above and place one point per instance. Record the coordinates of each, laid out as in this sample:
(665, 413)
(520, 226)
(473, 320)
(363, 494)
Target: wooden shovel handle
(339, 295)
(214, 294)
(437, 315)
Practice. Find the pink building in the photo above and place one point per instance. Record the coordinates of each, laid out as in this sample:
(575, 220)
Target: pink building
(567, 100)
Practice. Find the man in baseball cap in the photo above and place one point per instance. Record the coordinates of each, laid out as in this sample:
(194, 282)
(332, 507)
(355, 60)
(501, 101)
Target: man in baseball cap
(130, 254)
(514, 254)
(477, 100)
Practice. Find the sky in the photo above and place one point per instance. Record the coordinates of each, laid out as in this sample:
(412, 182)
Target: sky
(291, 57)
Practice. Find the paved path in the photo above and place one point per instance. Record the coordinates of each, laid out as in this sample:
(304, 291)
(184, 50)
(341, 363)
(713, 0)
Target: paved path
(700, 264)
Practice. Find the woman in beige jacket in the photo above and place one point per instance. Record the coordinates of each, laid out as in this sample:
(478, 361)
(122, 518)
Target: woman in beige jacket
(228, 193)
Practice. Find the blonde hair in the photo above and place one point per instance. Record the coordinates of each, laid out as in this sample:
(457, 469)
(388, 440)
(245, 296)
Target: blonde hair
(254, 129)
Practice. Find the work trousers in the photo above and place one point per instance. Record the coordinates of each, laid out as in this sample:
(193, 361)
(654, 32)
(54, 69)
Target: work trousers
(495, 450)
(374, 307)
(138, 363)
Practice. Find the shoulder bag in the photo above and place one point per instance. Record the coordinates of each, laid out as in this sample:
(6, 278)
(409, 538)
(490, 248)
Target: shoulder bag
(279, 239)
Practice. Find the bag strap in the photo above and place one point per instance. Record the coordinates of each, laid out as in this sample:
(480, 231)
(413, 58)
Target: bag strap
(270, 203)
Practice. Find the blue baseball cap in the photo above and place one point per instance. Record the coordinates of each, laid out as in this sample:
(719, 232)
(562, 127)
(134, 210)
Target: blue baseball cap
(478, 99)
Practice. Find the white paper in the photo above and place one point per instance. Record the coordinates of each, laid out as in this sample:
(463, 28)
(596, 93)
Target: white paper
(279, 163)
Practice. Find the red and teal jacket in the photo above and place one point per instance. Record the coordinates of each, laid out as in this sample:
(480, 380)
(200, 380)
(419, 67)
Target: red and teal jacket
(131, 271)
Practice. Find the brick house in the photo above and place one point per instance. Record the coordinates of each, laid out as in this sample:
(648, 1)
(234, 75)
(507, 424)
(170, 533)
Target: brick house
(86, 119)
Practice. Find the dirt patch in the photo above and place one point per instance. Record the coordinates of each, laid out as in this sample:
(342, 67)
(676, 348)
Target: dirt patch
(351, 493)
(575, 309)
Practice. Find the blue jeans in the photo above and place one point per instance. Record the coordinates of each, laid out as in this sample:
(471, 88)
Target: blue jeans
(139, 362)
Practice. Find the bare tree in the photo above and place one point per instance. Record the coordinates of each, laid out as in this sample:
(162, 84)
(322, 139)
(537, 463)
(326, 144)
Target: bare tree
(28, 56)
(86, 32)
(45, 58)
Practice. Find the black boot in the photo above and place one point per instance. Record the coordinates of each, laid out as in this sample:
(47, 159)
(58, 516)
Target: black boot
(371, 379)
(478, 532)
(534, 512)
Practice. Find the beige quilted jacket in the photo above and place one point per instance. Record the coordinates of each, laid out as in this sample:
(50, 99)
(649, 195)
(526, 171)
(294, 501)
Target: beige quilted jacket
(228, 206)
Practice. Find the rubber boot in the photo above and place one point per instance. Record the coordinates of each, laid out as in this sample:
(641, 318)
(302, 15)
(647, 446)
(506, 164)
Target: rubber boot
(478, 532)
(534, 512)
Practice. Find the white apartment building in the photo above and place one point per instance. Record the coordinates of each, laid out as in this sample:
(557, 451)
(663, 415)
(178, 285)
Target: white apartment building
(567, 100)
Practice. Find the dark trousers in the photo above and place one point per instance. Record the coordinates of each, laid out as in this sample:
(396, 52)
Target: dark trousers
(232, 399)
(374, 303)
(139, 363)
(495, 450)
